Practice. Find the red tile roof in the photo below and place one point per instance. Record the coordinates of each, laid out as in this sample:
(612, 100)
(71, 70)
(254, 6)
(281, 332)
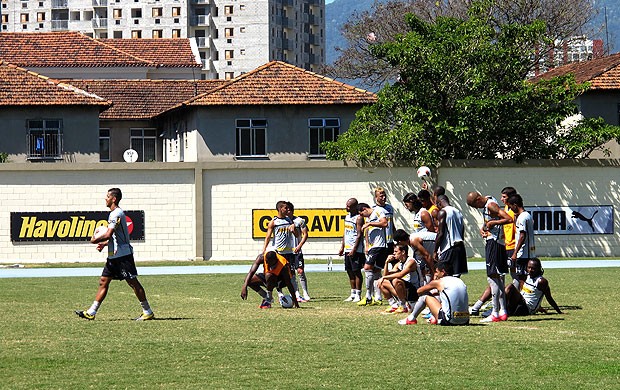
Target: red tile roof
(21, 87)
(74, 49)
(163, 52)
(601, 73)
(281, 83)
(143, 99)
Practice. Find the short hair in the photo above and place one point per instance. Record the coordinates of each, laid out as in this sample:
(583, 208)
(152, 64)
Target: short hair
(446, 267)
(509, 191)
(443, 198)
(379, 189)
(361, 206)
(270, 256)
(280, 204)
(403, 248)
(116, 192)
(424, 195)
(401, 235)
(515, 199)
(439, 190)
(410, 197)
(537, 260)
(290, 206)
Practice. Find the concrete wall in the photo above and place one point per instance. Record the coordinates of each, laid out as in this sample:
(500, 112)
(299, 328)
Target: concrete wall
(204, 210)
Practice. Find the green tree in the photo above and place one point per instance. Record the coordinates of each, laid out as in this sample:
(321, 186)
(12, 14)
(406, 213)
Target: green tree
(462, 94)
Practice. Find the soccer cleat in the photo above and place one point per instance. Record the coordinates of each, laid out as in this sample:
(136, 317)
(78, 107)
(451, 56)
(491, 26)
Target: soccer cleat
(84, 314)
(473, 312)
(400, 310)
(265, 304)
(427, 315)
(364, 302)
(490, 318)
(349, 299)
(306, 296)
(407, 321)
(432, 320)
(503, 317)
(298, 297)
(145, 317)
(389, 310)
(376, 302)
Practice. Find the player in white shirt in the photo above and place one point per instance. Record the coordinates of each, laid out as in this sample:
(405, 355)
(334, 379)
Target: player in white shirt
(352, 248)
(525, 244)
(399, 284)
(451, 306)
(299, 239)
(527, 301)
(375, 248)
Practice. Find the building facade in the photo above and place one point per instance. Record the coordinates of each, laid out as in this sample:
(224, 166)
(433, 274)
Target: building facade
(233, 36)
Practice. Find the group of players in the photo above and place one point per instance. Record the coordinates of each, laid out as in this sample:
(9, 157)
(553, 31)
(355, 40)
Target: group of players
(417, 270)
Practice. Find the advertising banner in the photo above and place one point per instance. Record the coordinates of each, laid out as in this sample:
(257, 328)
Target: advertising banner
(572, 219)
(322, 223)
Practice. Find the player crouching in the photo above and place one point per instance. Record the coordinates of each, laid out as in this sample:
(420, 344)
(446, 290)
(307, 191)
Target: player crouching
(275, 274)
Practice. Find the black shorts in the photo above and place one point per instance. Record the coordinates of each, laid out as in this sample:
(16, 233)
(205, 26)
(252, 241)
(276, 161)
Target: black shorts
(298, 261)
(120, 268)
(290, 258)
(445, 322)
(496, 260)
(520, 310)
(354, 261)
(412, 291)
(456, 258)
(376, 257)
(280, 284)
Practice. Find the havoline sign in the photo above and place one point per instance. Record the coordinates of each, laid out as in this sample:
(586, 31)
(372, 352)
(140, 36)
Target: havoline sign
(68, 225)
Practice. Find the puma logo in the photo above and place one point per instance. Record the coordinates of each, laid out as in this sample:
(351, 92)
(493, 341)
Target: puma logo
(581, 217)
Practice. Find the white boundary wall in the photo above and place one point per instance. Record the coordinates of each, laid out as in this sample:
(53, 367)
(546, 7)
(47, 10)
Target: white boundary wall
(204, 210)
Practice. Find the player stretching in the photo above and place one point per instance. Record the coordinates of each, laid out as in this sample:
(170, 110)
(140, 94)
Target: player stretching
(120, 264)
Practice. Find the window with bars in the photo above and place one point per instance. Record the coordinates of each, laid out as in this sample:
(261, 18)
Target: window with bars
(44, 139)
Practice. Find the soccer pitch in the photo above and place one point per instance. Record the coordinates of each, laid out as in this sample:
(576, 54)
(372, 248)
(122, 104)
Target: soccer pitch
(206, 337)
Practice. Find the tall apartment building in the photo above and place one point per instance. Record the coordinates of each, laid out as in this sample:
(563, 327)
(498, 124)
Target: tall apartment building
(233, 36)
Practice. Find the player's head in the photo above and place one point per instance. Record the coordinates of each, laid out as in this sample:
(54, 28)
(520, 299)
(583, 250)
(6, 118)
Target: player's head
(476, 200)
(291, 208)
(364, 210)
(380, 196)
(534, 267)
(507, 192)
(443, 201)
(281, 207)
(351, 206)
(401, 236)
(401, 251)
(438, 190)
(515, 202)
(114, 196)
(442, 269)
(425, 198)
(271, 258)
(411, 202)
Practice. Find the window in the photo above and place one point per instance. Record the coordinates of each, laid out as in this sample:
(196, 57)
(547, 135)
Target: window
(229, 54)
(24, 18)
(228, 10)
(104, 144)
(229, 32)
(5, 18)
(251, 138)
(158, 12)
(136, 34)
(242, 29)
(229, 75)
(136, 12)
(322, 130)
(158, 33)
(44, 139)
(117, 34)
(176, 33)
(40, 16)
(144, 142)
(117, 13)
(176, 11)
(74, 15)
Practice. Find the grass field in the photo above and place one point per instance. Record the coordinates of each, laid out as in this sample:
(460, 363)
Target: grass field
(206, 337)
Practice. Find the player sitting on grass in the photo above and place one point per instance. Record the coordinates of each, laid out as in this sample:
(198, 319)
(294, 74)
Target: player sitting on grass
(276, 274)
(399, 284)
(533, 288)
(451, 308)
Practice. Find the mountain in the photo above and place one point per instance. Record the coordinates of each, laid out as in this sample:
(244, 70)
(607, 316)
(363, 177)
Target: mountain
(338, 12)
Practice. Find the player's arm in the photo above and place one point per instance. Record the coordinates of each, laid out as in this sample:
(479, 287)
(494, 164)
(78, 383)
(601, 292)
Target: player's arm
(503, 216)
(286, 275)
(409, 266)
(268, 235)
(251, 273)
(380, 223)
(543, 285)
(359, 223)
(304, 238)
(519, 244)
(432, 285)
(427, 220)
(441, 231)
(428, 259)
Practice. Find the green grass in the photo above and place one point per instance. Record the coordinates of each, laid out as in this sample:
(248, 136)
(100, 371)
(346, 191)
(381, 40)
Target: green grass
(206, 337)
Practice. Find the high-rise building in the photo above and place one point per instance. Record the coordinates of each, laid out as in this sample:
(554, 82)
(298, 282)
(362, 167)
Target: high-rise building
(233, 36)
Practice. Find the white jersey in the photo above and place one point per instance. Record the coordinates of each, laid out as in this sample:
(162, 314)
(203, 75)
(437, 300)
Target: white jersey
(282, 235)
(454, 228)
(454, 300)
(350, 234)
(119, 245)
(300, 224)
(414, 277)
(376, 235)
(525, 223)
(531, 294)
(418, 224)
(428, 242)
(389, 215)
(497, 231)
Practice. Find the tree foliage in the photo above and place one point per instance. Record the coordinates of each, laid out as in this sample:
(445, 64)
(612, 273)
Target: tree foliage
(563, 19)
(462, 94)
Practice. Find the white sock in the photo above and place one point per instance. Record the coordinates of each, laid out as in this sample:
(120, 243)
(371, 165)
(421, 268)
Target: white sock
(92, 310)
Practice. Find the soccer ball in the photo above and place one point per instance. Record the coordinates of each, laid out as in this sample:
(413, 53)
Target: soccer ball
(286, 301)
(100, 231)
(424, 172)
